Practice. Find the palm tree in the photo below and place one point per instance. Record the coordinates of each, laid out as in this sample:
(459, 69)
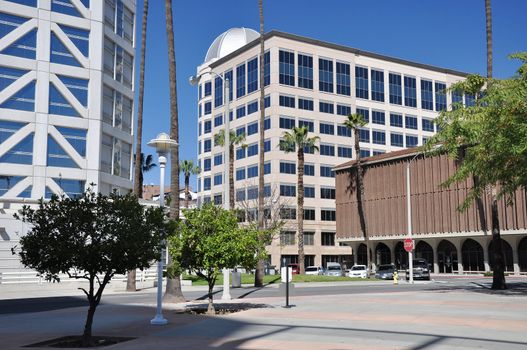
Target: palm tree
(498, 275)
(234, 140)
(354, 122)
(258, 276)
(298, 139)
(173, 291)
(138, 171)
(188, 168)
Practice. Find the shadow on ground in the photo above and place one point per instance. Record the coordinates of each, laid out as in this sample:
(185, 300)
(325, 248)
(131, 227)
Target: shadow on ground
(513, 288)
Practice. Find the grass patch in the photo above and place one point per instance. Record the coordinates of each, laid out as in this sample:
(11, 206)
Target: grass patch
(268, 279)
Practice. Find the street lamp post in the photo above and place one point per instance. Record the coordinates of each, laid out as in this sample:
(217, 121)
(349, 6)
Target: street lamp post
(227, 143)
(162, 144)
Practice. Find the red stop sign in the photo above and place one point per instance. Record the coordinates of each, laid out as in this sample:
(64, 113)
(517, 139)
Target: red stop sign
(408, 245)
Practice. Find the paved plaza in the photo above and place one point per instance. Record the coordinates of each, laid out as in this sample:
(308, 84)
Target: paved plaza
(444, 317)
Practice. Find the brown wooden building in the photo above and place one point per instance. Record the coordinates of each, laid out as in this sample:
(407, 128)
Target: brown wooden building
(451, 240)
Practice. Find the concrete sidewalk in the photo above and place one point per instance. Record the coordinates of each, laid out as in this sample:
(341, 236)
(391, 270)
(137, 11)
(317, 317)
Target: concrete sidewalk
(401, 320)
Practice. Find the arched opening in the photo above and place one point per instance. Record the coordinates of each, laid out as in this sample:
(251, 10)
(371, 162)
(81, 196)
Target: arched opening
(423, 250)
(507, 255)
(383, 254)
(447, 257)
(401, 256)
(472, 256)
(362, 257)
(522, 254)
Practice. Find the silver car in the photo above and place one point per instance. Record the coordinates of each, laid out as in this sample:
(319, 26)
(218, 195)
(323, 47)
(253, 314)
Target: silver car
(314, 270)
(333, 269)
(385, 272)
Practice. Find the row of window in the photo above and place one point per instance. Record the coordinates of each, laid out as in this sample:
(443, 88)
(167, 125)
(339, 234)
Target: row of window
(289, 190)
(289, 213)
(61, 6)
(117, 109)
(241, 173)
(120, 19)
(289, 238)
(118, 63)
(241, 111)
(116, 156)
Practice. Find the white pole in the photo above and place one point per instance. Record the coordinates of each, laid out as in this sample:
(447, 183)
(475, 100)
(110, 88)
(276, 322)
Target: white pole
(159, 319)
(227, 200)
(409, 212)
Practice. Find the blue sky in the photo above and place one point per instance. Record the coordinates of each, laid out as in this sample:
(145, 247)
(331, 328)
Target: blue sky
(446, 33)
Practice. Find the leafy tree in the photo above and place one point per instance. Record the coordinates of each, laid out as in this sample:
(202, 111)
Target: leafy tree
(234, 140)
(91, 237)
(298, 139)
(489, 141)
(188, 168)
(211, 240)
(173, 291)
(354, 122)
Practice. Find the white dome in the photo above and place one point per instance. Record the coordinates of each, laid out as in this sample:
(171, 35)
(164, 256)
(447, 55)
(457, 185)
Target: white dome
(230, 41)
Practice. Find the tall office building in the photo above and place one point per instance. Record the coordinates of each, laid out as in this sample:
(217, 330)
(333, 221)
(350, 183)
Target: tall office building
(314, 84)
(66, 102)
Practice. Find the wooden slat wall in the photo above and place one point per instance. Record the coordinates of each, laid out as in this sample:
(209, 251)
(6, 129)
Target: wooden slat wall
(434, 208)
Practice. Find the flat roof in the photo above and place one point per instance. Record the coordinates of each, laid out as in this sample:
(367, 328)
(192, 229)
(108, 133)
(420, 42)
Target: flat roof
(275, 33)
(403, 153)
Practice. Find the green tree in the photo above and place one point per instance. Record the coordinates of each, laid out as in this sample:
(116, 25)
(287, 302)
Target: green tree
(188, 168)
(234, 140)
(259, 273)
(354, 122)
(489, 141)
(92, 237)
(299, 140)
(211, 240)
(173, 291)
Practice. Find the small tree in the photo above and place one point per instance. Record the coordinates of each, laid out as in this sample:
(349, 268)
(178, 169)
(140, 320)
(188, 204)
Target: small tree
(188, 168)
(211, 240)
(92, 237)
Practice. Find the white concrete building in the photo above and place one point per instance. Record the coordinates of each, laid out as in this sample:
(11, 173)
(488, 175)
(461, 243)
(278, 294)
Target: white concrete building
(66, 103)
(316, 84)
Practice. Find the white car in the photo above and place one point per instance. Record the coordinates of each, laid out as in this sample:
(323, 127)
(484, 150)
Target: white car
(314, 270)
(358, 271)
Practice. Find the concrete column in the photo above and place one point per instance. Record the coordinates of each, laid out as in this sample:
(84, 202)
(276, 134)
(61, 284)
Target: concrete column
(355, 248)
(485, 256)
(515, 259)
(457, 243)
(391, 245)
(434, 244)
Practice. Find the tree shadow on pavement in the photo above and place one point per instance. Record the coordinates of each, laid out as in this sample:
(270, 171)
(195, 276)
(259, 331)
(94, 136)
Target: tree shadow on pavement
(513, 288)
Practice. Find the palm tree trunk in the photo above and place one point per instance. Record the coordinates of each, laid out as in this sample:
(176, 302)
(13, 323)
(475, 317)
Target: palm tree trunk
(258, 276)
(360, 199)
(138, 171)
(187, 191)
(231, 176)
(300, 210)
(488, 24)
(173, 291)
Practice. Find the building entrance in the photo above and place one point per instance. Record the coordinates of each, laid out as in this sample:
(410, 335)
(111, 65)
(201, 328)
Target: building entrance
(447, 257)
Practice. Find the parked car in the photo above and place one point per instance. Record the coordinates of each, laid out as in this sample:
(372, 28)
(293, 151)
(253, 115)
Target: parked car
(385, 272)
(314, 270)
(295, 268)
(420, 269)
(358, 271)
(333, 269)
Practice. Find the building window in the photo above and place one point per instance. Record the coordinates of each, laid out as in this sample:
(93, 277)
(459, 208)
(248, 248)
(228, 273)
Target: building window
(218, 120)
(23, 99)
(206, 184)
(287, 101)
(218, 199)
(218, 179)
(440, 96)
(267, 170)
(365, 114)
(72, 188)
(252, 150)
(240, 195)
(207, 126)
(286, 68)
(309, 191)
(377, 117)
(206, 164)
(252, 193)
(343, 79)
(218, 159)
(240, 112)
(240, 174)
(252, 171)
(326, 107)
(396, 120)
(287, 238)
(325, 75)
(207, 145)
(343, 131)
(364, 153)
(427, 95)
(252, 75)
(470, 100)
(208, 88)
(410, 122)
(79, 88)
(240, 130)
(457, 99)
(396, 140)
(379, 137)
(309, 237)
(288, 190)
(344, 152)
(410, 93)
(240, 80)
(361, 82)
(327, 193)
(364, 135)
(287, 213)
(328, 129)
(207, 108)
(267, 145)
(287, 168)
(343, 110)
(377, 85)
(328, 215)
(327, 150)
(24, 47)
(267, 123)
(308, 124)
(124, 22)
(309, 214)
(328, 238)
(427, 124)
(309, 170)
(396, 95)
(411, 141)
(267, 68)
(305, 104)
(22, 152)
(326, 171)
(287, 123)
(61, 54)
(252, 107)
(218, 92)
(240, 153)
(252, 128)
(305, 71)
